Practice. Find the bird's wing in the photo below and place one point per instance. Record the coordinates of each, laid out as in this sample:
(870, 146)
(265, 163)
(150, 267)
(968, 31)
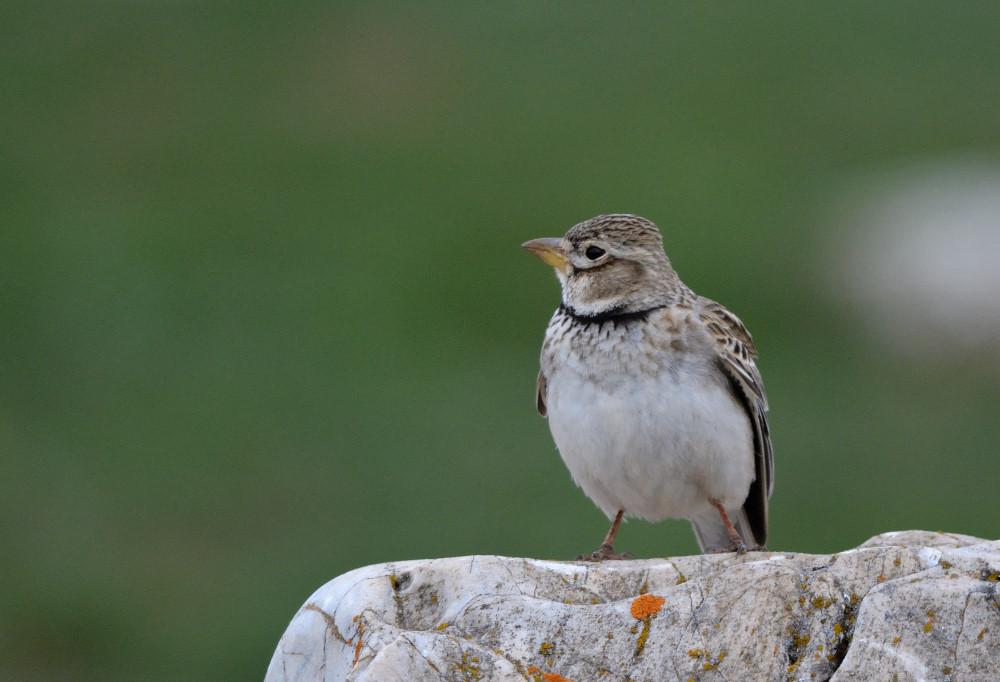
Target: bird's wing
(541, 388)
(736, 354)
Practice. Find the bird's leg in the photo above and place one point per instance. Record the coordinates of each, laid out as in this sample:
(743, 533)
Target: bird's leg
(606, 551)
(735, 541)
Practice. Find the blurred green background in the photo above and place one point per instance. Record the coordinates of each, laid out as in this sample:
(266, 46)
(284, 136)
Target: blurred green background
(264, 317)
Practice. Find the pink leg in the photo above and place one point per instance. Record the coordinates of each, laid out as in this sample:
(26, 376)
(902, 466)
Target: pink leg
(735, 541)
(606, 550)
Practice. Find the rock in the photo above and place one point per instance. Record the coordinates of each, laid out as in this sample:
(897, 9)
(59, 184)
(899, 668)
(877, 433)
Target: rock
(911, 605)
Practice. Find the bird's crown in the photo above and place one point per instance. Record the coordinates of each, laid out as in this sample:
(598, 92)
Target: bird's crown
(629, 231)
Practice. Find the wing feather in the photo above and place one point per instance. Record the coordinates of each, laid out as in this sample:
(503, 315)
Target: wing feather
(541, 388)
(736, 354)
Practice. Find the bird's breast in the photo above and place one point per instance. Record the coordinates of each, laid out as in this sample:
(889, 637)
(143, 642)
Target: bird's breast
(649, 427)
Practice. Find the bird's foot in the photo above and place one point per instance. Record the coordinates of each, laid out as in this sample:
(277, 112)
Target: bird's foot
(735, 545)
(605, 552)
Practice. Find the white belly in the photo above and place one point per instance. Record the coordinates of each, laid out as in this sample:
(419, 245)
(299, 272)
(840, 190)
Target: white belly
(656, 446)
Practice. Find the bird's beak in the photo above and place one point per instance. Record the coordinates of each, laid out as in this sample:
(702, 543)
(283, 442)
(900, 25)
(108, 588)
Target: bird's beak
(549, 251)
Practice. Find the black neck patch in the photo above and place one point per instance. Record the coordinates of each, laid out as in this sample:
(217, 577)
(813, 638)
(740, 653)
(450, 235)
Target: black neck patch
(614, 315)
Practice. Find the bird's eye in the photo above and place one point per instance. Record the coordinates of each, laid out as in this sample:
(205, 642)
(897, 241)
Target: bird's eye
(594, 252)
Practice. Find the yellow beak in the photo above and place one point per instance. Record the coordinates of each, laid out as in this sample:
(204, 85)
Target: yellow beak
(548, 250)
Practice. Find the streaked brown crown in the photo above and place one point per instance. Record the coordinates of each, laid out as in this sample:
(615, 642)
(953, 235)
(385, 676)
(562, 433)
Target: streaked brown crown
(630, 231)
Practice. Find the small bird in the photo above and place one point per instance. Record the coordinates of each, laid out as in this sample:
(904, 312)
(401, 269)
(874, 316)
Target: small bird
(651, 391)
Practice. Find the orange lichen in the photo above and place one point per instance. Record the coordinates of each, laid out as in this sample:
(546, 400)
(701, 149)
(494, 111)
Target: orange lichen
(533, 670)
(357, 649)
(646, 605)
(554, 677)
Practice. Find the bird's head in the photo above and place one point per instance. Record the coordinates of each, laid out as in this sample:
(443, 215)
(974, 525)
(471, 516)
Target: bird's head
(611, 263)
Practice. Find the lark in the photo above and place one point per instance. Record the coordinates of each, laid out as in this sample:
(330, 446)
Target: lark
(651, 391)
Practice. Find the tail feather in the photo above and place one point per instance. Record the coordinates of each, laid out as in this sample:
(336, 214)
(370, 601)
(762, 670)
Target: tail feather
(711, 531)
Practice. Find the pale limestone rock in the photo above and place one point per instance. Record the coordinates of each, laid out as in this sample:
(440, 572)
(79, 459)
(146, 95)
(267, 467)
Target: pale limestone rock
(911, 605)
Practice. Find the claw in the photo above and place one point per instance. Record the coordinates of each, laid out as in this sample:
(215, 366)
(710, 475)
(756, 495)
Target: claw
(605, 553)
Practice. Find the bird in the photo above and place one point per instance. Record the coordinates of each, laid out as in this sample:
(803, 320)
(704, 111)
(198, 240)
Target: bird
(652, 395)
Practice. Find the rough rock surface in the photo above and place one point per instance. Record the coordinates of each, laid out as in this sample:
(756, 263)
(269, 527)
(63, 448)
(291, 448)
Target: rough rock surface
(910, 605)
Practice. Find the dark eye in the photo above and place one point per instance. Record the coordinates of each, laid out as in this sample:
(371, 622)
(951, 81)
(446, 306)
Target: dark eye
(594, 252)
